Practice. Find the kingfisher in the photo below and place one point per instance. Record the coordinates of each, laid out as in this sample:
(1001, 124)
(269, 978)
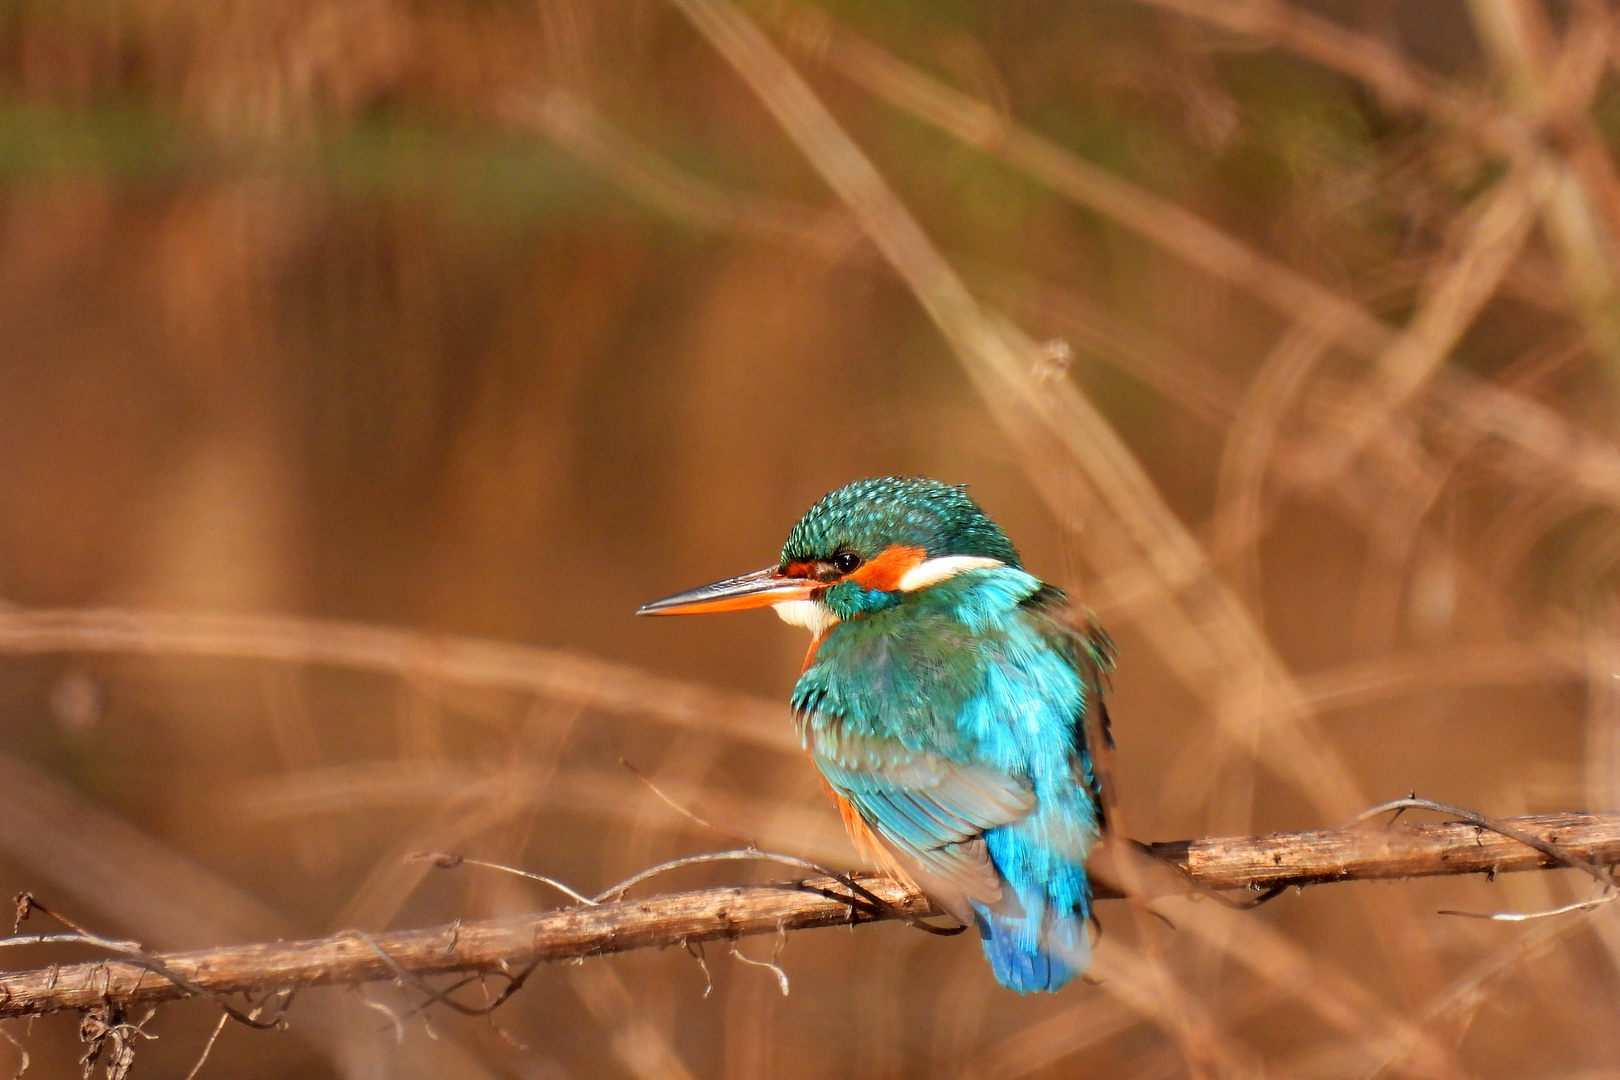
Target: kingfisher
(946, 701)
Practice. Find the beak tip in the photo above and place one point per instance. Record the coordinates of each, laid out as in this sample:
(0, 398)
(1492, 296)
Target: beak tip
(759, 589)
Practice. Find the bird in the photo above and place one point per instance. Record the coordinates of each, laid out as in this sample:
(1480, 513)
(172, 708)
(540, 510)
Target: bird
(946, 700)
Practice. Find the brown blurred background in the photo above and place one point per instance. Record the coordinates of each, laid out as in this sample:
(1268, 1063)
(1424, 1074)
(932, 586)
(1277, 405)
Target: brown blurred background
(481, 322)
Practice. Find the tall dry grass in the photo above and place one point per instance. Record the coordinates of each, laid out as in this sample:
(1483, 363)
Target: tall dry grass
(368, 362)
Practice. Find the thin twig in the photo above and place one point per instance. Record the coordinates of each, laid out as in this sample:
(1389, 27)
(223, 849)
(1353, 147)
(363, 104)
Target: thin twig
(514, 983)
(749, 854)
(1526, 916)
(445, 860)
(208, 1047)
(24, 1059)
(683, 811)
(771, 964)
(393, 1017)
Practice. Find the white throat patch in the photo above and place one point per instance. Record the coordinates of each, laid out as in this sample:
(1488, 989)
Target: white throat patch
(810, 614)
(934, 571)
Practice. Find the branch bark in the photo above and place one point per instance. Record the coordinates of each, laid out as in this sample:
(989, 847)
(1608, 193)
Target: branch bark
(507, 947)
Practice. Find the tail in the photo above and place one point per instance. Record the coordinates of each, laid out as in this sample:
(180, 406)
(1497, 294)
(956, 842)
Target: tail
(1039, 952)
(1035, 934)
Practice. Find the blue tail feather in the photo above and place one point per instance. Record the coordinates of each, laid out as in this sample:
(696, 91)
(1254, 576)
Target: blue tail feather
(1035, 934)
(1027, 962)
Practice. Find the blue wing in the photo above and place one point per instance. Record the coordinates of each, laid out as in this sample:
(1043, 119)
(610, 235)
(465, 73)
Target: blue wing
(930, 811)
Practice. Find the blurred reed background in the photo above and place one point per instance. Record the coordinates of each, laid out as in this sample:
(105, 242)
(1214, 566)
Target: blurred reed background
(1284, 335)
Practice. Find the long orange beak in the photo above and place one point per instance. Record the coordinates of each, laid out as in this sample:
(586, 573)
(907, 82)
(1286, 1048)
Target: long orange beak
(760, 589)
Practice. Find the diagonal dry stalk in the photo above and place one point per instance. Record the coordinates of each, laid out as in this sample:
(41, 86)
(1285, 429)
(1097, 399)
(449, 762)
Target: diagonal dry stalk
(571, 123)
(1142, 981)
(1247, 455)
(508, 947)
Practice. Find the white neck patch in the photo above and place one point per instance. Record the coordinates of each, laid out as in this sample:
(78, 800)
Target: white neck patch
(934, 571)
(810, 614)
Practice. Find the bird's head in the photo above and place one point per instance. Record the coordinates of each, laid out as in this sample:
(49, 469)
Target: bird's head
(861, 549)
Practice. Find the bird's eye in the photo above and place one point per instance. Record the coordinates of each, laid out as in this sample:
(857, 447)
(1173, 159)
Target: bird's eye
(846, 562)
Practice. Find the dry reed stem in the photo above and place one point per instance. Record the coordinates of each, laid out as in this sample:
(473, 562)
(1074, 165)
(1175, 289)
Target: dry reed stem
(809, 827)
(1312, 857)
(557, 676)
(1456, 668)
(571, 123)
(1589, 461)
(1089, 328)
(1247, 455)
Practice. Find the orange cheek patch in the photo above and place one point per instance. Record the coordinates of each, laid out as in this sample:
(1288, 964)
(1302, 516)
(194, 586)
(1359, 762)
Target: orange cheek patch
(883, 573)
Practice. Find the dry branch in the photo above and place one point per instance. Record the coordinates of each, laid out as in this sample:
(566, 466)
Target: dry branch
(504, 949)
(1398, 851)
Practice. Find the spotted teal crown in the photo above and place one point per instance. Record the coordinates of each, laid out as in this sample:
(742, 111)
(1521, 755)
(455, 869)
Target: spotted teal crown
(868, 516)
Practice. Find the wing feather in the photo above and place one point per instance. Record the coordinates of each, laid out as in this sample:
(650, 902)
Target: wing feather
(929, 811)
